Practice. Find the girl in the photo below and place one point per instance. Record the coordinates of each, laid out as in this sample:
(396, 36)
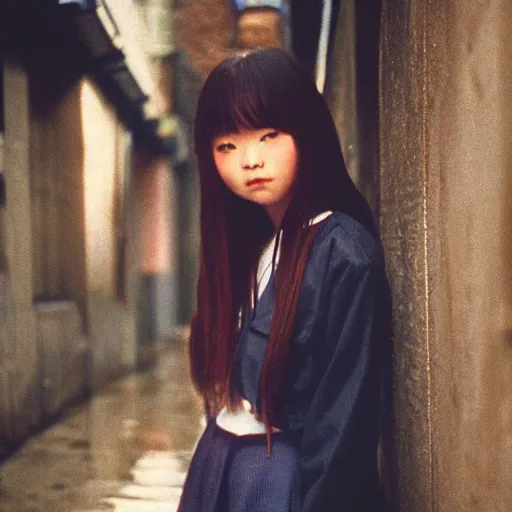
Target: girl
(293, 306)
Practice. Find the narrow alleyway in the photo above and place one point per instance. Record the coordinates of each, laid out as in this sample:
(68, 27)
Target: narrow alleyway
(127, 449)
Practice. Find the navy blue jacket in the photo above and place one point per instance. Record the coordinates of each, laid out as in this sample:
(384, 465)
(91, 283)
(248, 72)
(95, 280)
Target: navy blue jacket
(337, 379)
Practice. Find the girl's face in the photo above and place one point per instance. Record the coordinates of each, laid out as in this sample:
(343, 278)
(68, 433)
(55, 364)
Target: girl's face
(259, 166)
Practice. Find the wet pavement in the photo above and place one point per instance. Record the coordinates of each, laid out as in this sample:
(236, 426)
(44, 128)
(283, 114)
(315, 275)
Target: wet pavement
(127, 449)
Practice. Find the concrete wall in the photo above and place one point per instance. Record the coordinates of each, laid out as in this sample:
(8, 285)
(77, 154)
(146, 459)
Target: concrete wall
(69, 255)
(58, 254)
(351, 90)
(3, 263)
(110, 317)
(76, 161)
(67, 314)
(446, 120)
(146, 37)
(155, 197)
(62, 355)
(57, 199)
(20, 407)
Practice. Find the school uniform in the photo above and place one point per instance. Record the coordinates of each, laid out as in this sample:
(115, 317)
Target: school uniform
(324, 453)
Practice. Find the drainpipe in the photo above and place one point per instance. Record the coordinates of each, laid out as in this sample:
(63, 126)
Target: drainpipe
(323, 45)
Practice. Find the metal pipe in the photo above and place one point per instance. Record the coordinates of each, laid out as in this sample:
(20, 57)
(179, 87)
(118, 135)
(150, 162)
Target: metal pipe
(323, 44)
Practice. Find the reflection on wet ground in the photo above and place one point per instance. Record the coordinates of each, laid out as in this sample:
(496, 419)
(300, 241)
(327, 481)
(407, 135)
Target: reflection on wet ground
(127, 449)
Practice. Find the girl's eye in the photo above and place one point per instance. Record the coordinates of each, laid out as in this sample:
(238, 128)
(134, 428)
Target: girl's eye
(269, 135)
(227, 146)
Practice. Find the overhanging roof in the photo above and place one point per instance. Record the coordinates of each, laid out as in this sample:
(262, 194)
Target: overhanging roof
(107, 65)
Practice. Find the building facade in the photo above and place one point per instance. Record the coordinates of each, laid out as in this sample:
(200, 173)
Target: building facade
(87, 282)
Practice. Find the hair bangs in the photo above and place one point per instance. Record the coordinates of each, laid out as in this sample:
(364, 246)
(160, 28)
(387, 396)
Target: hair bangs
(239, 96)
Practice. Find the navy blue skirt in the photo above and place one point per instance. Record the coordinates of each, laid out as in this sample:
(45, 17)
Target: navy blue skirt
(229, 473)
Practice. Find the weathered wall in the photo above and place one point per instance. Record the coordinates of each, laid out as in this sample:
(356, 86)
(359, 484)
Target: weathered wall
(146, 35)
(445, 129)
(340, 87)
(75, 160)
(58, 254)
(3, 263)
(20, 407)
(351, 90)
(56, 185)
(62, 355)
(110, 317)
(155, 197)
(7, 339)
(68, 257)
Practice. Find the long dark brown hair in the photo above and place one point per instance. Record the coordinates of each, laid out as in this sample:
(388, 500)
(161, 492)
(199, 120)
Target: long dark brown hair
(264, 89)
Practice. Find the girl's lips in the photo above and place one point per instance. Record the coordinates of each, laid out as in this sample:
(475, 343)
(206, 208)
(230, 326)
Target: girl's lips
(257, 181)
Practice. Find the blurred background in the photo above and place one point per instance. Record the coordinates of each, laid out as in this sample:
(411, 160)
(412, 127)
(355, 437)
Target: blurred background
(99, 234)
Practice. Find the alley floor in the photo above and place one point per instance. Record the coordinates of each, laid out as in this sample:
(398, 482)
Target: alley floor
(127, 449)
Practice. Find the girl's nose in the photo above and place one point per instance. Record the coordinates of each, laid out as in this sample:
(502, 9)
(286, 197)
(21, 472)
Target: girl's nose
(251, 157)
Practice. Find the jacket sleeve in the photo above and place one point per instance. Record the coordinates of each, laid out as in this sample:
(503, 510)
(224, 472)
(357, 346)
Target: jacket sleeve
(341, 420)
